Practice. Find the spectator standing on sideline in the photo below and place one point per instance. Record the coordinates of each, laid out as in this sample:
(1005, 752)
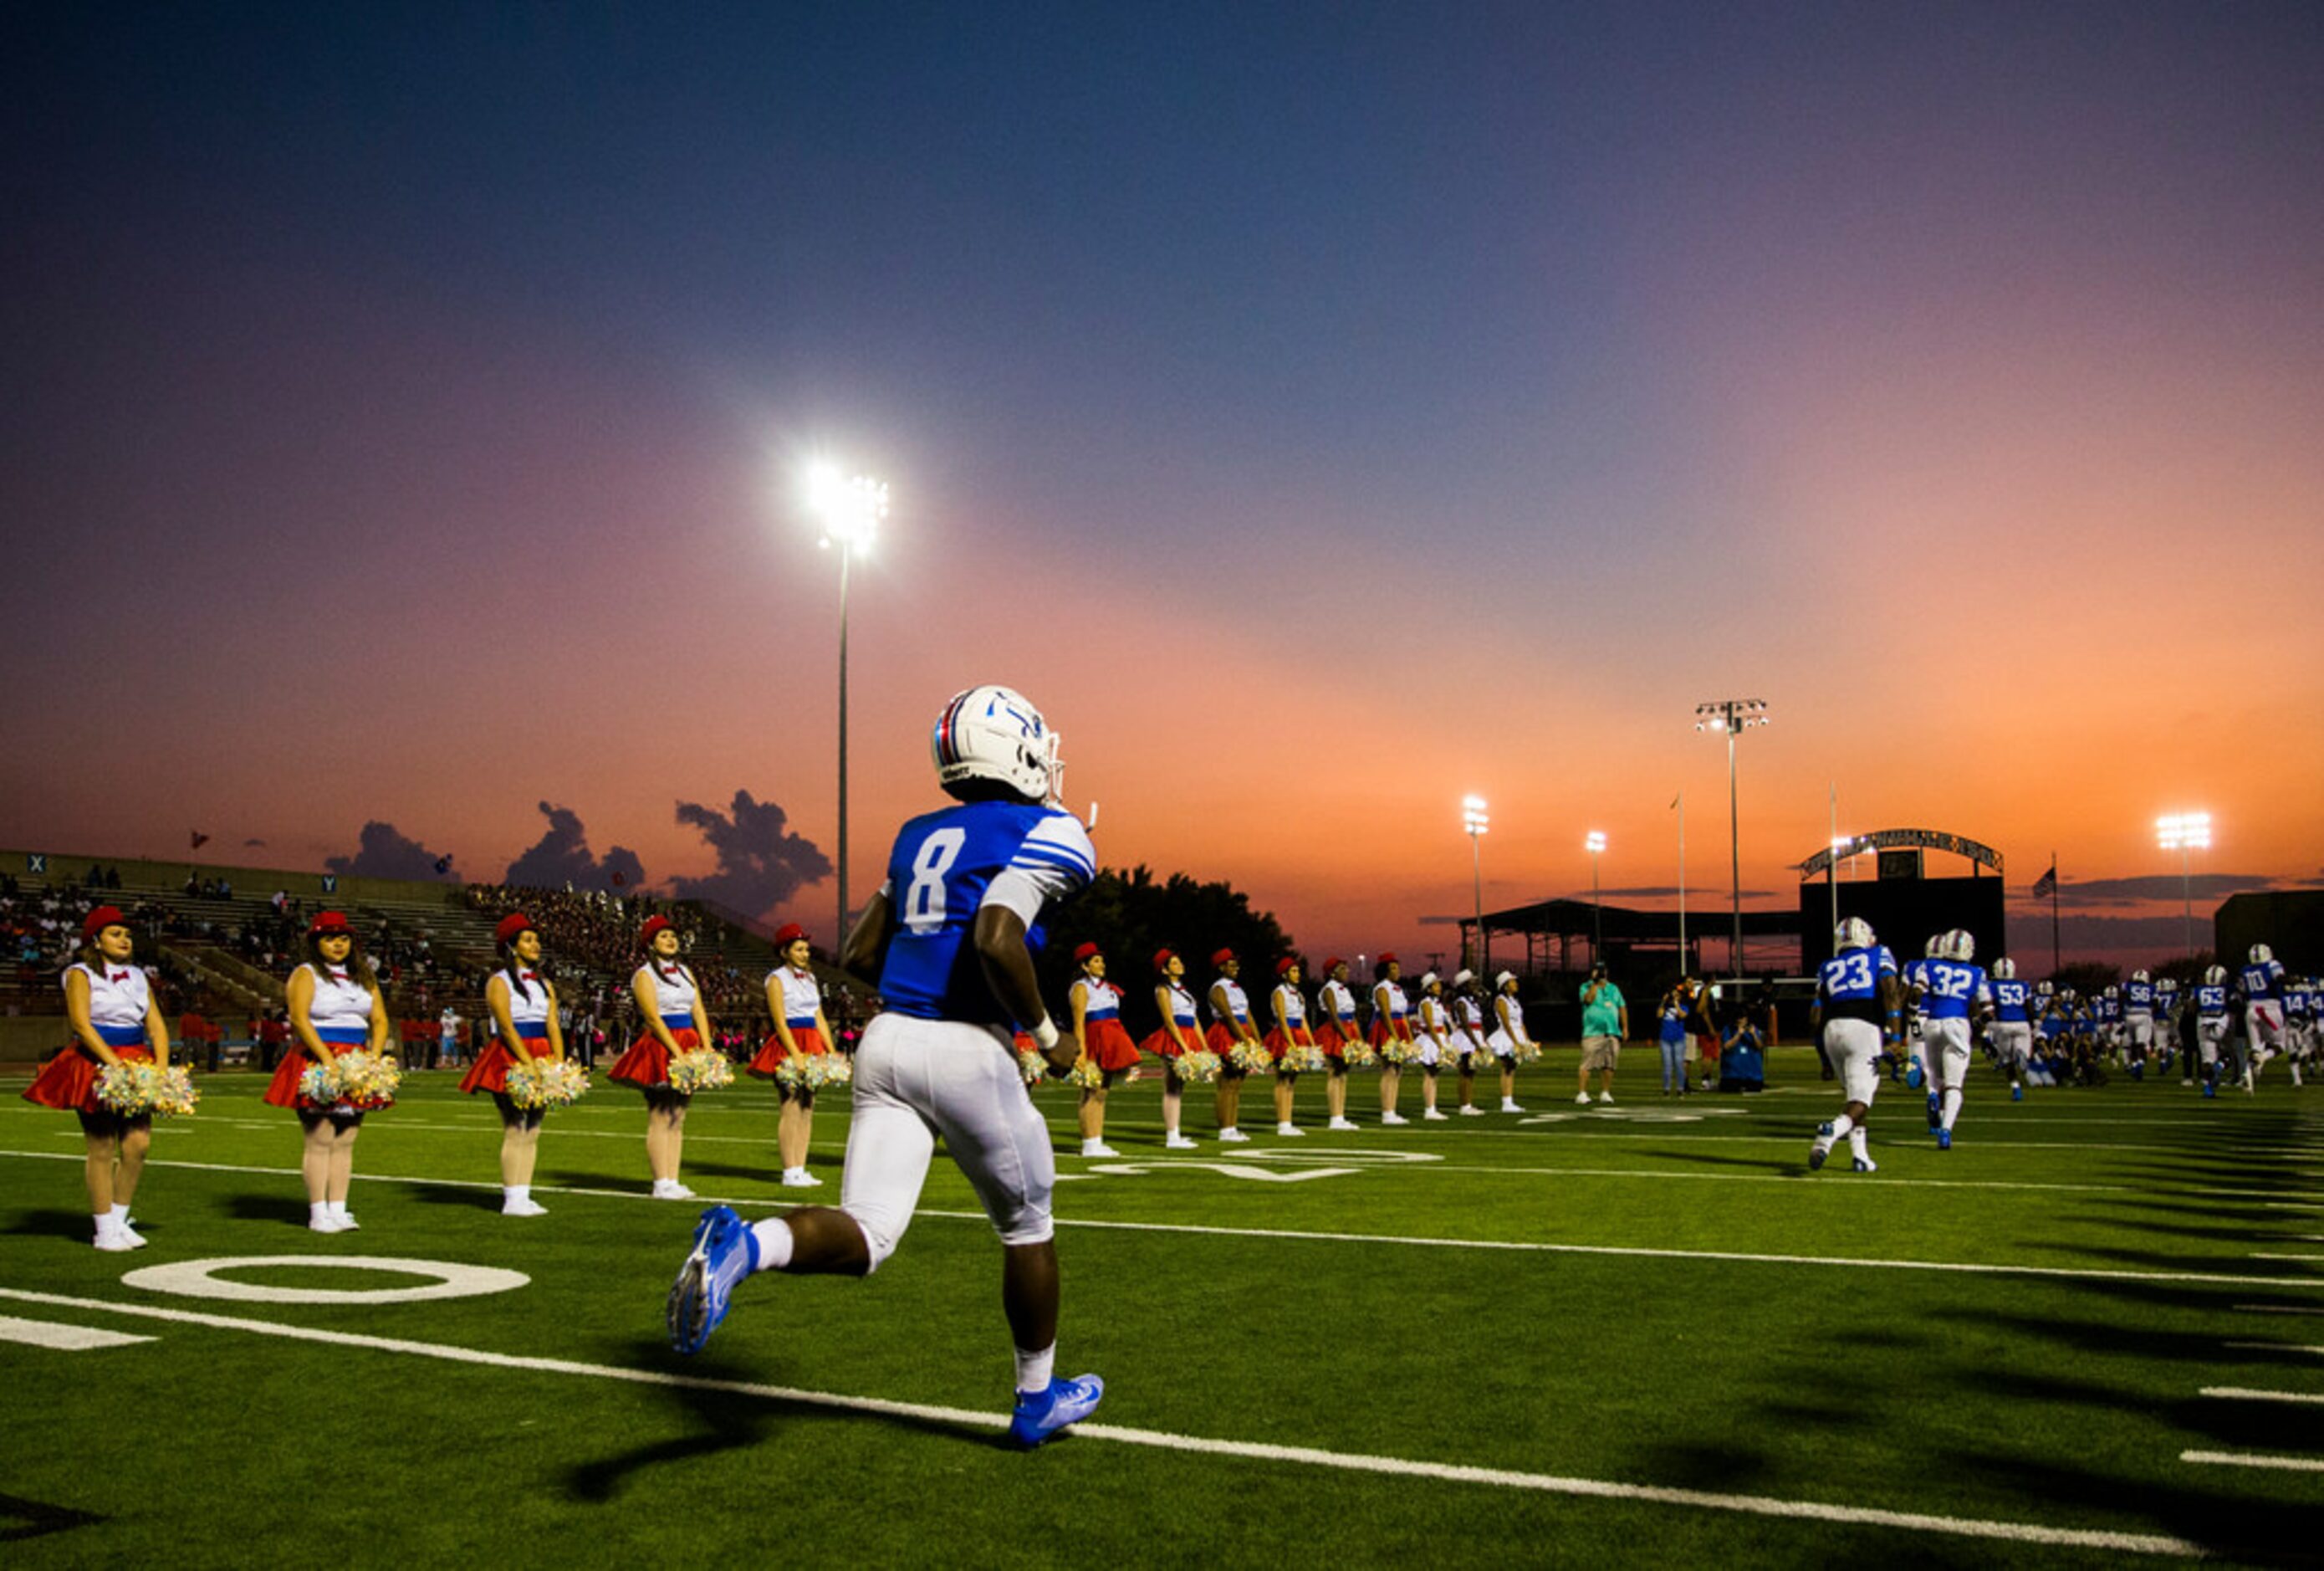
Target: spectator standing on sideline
(447, 1039)
(1605, 1022)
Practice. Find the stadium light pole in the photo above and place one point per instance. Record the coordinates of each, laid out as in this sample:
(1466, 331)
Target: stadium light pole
(2185, 833)
(1594, 844)
(1733, 717)
(850, 510)
(1473, 820)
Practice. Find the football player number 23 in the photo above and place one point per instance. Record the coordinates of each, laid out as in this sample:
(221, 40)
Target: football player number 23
(924, 902)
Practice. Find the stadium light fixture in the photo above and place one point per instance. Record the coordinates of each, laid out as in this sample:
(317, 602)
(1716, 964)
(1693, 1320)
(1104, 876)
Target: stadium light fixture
(1732, 716)
(1473, 820)
(849, 510)
(1595, 842)
(2185, 833)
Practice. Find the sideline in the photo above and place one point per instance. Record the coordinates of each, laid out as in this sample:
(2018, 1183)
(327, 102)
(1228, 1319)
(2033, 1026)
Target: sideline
(1971, 1268)
(1350, 1462)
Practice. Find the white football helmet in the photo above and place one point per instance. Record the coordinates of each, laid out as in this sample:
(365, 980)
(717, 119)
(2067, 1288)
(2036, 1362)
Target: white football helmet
(2004, 969)
(2261, 953)
(992, 733)
(2045, 988)
(2112, 991)
(2139, 976)
(2168, 984)
(1855, 933)
(2215, 974)
(1964, 945)
(1937, 945)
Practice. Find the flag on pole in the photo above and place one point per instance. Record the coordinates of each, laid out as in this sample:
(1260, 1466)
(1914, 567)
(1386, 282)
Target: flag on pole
(2048, 882)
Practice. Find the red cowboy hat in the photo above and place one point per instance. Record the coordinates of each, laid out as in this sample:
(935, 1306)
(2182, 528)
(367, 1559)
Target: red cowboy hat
(1162, 959)
(653, 925)
(1223, 957)
(328, 922)
(1084, 953)
(1286, 964)
(1331, 965)
(102, 918)
(512, 924)
(787, 935)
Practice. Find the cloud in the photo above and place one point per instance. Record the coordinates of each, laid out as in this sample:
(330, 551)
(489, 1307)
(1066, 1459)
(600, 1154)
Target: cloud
(562, 856)
(383, 852)
(253, 842)
(760, 863)
(2202, 886)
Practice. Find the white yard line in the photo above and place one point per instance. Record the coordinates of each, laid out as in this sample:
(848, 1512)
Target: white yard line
(2253, 1459)
(1302, 1456)
(2312, 1350)
(2246, 1394)
(62, 1338)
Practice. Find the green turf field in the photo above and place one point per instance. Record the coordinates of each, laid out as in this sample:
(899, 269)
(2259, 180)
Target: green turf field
(1637, 1333)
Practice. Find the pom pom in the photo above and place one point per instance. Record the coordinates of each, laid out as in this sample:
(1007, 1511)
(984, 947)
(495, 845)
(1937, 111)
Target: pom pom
(1251, 1058)
(548, 1083)
(1032, 1066)
(814, 1071)
(700, 1069)
(1198, 1068)
(136, 1089)
(1357, 1054)
(1301, 1060)
(1396, 1051)
(1086, 1074)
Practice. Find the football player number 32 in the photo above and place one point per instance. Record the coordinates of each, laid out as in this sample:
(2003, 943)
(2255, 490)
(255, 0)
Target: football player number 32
(924, 902)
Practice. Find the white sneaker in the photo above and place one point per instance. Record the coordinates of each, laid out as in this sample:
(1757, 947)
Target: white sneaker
(1230, 1135)
(113, 1243)
(1581, 1100)
(1509, 1106)
(801, 1179)
(1605, 1096)
(346, 1221)
(1394, 1118)
(1178, 1142)
(1472, 1111)
(1429, 1116)
(136, 1239)
(1098, 1148)
(1291, 1129)
(1341, 1123)
(527, 1207)
(314, 1225)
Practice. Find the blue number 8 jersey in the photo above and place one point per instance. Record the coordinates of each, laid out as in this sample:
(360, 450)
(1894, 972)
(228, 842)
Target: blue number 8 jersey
(946, 867)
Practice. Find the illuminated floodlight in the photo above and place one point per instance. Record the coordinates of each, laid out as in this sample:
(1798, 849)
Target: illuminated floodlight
(1731, 714)
(849, 509)
(1594, 844)
(1473, 817)
(2183, 832)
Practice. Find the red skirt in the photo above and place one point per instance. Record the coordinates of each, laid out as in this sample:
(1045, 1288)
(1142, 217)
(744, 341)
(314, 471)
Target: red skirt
(1329, 1039)
(810, 1043)
(283, 1091)
(1380, 1033)
(1220, 1039)
(646, 1065)
(490, 1071)
(1163, 1045)
(68, 1082)
(1107, 1042)
(1279, 1042)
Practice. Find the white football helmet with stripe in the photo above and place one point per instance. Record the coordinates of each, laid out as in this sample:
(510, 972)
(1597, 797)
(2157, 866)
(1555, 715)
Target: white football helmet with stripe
(2004, 969)
(992, 733)
(1855, 933)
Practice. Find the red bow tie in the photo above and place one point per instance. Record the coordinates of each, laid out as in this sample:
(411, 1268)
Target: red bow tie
(528, 975)
(116, 976)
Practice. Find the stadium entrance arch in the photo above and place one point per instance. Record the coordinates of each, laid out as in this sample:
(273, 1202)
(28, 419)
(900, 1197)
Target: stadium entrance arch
(1901, 903)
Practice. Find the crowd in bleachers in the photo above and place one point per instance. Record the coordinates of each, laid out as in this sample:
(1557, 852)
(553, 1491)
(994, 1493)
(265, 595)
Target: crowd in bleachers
(598, 932)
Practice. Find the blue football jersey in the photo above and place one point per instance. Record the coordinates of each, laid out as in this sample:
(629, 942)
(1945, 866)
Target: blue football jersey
(2141, 997)
(2263, 981)
(2210, 999)
(2109, 1009)
(1952, 985)
(2009, 997)
(1849, 984)
(939, 873)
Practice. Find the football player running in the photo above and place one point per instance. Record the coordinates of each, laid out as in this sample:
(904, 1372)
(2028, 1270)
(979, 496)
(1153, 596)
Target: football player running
(1858, 1009)
(2138, 1021)
(1952, 991)
(949, 943)
(2012, 1027)
(2211, 1024)
(2264, 1012)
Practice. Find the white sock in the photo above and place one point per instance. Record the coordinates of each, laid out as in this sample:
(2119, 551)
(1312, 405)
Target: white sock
(1952, 1106)
(120, 1215)
(318, 1211)
(516, 1191)
(105, 1224)
(774, 1238)
(1860, 1144)
(338, 1210)
(1841, 1126)
(1035, 1370)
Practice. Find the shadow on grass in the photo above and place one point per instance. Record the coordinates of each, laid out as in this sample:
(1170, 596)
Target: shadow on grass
(266, 1206)
(727, 1420)
(54, 1223)
(464, 1200)
(22, 1518)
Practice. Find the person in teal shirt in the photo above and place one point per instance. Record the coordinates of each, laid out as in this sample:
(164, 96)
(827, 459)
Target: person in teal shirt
(1605, 1022)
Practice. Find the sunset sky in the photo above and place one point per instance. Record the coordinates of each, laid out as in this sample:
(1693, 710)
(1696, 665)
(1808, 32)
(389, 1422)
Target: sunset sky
(1322, 412)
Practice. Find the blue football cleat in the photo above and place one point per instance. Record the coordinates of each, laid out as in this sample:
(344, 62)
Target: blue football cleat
(2211, 1088)
(2017, 1093)
(1819, 1147)
(1041, 1415)
(1944, 1139)
(1865, 1164)
(721, 1257)
(1913, 1076)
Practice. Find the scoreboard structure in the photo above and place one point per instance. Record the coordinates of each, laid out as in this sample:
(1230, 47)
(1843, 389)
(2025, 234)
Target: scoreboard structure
(1904, 906)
